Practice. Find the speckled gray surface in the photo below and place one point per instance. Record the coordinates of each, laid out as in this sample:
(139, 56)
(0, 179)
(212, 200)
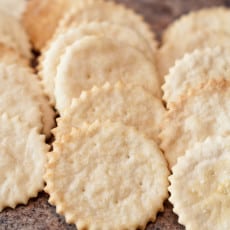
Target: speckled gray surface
(38, 214)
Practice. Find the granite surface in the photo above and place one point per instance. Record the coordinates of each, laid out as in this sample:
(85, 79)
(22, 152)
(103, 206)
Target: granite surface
(38, 214)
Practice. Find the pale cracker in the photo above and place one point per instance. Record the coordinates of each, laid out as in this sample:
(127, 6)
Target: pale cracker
(96, 60)
(110, 12)
(42, 17)
(215, 18)
(200, 186)
(25, 77)
(175, 50)
(51, 55)
(132, 105)
(194, 69)
(23, 157)
(14, 7)
(205, 112)
(126, 175)
(16, 99)
(12, 35)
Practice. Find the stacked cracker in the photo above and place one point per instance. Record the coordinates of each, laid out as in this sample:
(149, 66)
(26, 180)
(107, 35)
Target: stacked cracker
(195, 131)
(106, 170)
(25, 115)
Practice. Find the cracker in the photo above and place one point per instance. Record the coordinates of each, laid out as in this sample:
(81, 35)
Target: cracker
(195, 69)
(26, 78)
(200, 39)
(126, 177)
(96, 60)
(23, 157)
(215, 18)
(110, 12)
(10, 56)
(13, 36)
(132, 105)
(14, 7)
(16, 99)
(42, 17)
(205, 112)
(200, 185)
(51, 56)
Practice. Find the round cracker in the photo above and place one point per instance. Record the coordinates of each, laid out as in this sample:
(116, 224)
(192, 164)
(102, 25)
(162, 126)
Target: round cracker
(23, 78)
(215, 18)
(132, 105)
(205, 112)
(16, 99)
(51, 55)
(42, 17)
(96, 60)
(195, 69)
(23, 157)
(12, 35)
(201, 39)
(110, 12)
(112, 177)
(200, 185)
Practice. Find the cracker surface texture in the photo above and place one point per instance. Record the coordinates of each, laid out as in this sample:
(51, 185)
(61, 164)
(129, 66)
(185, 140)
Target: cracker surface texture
(215, 18)
(172, 51)
(195, 69)
(132, 105)
(22, 78)
(205, 112)
(50, 58)
(16, 99)
(42, 17)
(110, 12)
(23, 157)
(200, 186)
(10, 56)
(13, 35)
(14, 7)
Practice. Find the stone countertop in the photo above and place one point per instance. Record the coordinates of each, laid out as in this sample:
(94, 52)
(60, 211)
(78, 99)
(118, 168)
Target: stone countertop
(38, 214)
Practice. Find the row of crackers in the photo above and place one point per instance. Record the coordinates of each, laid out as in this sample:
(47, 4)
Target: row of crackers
(195, 131)
(92, 104)
(98, 67)
(26, 116)
(106, 170)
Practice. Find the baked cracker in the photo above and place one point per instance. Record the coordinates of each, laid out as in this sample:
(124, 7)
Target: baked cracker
(131, 105)
(96, 60)
(50, 58)
(195, 69)
(200, 185)
(23, 157)
(204, 112)
(112, 177)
